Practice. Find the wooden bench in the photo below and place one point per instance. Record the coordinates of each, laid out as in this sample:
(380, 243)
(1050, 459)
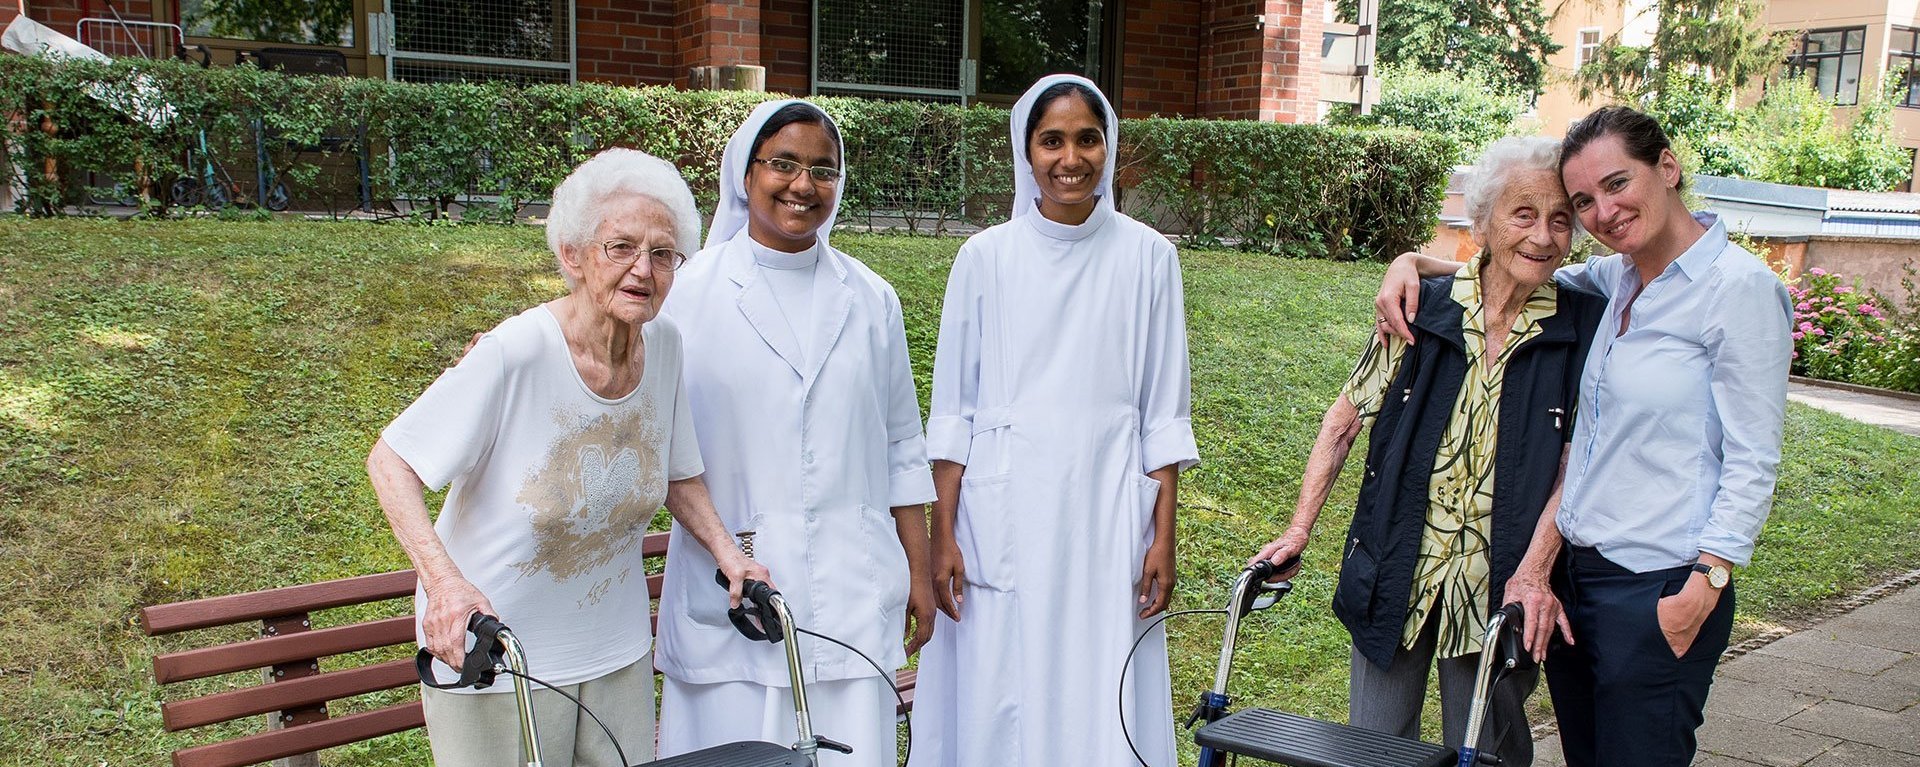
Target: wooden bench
(295, 692)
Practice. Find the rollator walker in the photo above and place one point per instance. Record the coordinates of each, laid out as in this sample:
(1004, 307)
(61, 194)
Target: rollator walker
(499, 652)
(1297, 741)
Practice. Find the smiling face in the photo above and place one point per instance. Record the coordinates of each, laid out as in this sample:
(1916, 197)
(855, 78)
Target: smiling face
(786, 213)
(1623, 202)
(629, 293)
(1530, 229)
(1068, 149)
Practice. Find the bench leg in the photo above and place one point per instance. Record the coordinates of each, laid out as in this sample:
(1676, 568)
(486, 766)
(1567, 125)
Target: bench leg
(288, 671)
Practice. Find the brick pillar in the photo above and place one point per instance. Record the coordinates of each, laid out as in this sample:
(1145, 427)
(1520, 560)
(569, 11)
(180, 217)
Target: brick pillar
(1159, 57)
(1262, 59)
(717, 33)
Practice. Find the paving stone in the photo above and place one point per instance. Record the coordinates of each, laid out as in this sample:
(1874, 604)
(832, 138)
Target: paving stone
(1859, 755)
(1716, 760)
(1885, 633)
(1760, 742)
(1892, 690)
(1817, 646)
(1546, 752)
(1839, 719)
(1898, 608)
(1751, 700)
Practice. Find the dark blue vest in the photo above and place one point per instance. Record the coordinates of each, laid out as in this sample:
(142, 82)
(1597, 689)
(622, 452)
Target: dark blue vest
(1536, 420)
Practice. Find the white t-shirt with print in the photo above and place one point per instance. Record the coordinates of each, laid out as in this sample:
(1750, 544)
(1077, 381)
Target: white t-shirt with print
(553, 489)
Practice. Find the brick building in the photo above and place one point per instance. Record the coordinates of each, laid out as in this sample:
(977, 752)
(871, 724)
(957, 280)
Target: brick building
(1248, 59)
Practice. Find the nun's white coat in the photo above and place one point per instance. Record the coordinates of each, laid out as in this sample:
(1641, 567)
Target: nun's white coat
(810, 453)
(1061, 379)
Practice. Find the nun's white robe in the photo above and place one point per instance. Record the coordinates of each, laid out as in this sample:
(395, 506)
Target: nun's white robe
(810, 429)
(1061, 379)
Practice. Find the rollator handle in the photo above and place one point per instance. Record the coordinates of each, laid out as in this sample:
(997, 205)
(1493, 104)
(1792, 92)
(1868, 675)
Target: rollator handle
(832, 745)
(477, 671)
(1512, 645)
(756, 601)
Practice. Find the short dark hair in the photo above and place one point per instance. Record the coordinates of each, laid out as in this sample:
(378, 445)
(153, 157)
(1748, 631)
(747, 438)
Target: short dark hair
(1639, 133)
(1056, 91)
(798, 112)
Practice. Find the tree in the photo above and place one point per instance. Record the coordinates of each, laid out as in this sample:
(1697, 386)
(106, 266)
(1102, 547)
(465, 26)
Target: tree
(1464, 107)
(1789, 137)
(1504, 42)
(1718, 41)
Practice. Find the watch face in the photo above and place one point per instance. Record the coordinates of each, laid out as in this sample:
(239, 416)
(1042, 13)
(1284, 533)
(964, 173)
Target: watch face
(1718, 577)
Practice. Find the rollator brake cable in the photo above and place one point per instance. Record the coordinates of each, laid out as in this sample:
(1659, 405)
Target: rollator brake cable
(756, 604)
(1251, 601)
(489, 658)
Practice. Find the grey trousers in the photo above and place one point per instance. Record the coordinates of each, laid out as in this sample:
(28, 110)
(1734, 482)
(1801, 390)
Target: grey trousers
(1389, 701)
(483, 729)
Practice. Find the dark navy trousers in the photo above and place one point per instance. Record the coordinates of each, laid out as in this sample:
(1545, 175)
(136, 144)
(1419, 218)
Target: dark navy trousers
(1622, 698)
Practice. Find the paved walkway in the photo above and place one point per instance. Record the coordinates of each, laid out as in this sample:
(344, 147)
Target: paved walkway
(1896, 413)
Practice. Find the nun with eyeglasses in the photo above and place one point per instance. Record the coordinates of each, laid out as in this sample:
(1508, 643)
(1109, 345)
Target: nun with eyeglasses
(1058, 430)
(801, 390)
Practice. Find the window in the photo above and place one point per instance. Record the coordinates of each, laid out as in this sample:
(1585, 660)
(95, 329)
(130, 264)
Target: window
(1023, 40)
(311, 22)
(1832, 58)
(1903, 64)
(1586, 47)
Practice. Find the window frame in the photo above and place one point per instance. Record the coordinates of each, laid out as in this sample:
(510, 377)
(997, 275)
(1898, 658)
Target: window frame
(1584, 52)
(1905, 60)
(1800, 62)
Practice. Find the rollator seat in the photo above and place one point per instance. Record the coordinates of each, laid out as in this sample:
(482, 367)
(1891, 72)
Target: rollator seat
(1296, 741)
(748, 754)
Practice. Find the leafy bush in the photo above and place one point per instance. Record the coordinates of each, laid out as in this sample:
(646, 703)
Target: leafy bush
(1467, 108)
(1842, 334)
(1789, 137)
(1303, 190)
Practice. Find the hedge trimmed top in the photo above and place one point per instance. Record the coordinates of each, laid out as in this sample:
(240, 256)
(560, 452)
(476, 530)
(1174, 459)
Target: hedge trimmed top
(1303, 190)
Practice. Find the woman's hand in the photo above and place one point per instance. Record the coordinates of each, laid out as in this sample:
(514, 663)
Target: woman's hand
(949, 575)
(450, 601)
(1399, 298)
(1542, 612)
(1289, 545)
(1157, 577)
(920, 609)
(738, 569)
(1682, 614)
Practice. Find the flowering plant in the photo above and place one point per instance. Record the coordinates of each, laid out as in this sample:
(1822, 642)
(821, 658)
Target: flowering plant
(1843, 334)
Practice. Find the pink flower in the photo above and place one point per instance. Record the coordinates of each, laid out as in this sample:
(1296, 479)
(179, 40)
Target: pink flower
(1797, 335)
(1843, 289)
(1817, 272)
(1803, 306)
(1806, 327)
(1818, 331)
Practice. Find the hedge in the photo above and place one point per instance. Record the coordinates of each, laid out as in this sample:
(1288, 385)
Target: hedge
(1304, 190)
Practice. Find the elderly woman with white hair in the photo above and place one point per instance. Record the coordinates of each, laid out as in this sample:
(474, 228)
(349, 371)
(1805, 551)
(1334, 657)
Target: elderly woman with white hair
(562, 432)
(1469, 431)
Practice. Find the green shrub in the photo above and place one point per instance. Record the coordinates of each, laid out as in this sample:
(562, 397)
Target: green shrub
(1843, 334)
(1303, 190)
(1467, 108)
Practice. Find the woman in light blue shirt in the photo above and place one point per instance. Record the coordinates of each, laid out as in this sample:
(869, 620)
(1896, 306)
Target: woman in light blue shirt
(1671, 470)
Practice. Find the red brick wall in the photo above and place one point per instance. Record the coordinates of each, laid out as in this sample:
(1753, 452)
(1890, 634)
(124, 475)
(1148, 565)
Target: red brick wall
(786, 45)
(717, 32)
(1262, 72)
(62, 15)
(628, 42)
(1160, 57)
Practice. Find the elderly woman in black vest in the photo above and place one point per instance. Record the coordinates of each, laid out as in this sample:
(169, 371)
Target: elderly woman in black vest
(1469, 431)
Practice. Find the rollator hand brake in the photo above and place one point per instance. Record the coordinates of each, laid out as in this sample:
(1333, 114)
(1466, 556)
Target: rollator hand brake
(477, 671)
(756, 602)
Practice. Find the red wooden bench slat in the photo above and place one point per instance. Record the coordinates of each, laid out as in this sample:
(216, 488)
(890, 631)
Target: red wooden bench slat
(904, 680)
(287, 694)
(654, 545)
(306, 738)
(273, 603)
(259, 653)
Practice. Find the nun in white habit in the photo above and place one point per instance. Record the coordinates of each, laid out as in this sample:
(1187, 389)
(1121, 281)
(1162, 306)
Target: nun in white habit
(798, 378)
(1059, 426)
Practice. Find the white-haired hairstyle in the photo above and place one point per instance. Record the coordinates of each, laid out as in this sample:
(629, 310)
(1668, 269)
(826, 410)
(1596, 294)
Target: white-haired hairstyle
(579, 202)
(1497, 162)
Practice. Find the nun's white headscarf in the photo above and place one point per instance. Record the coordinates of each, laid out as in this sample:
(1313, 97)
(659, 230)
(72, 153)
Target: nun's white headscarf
(730, 215)
(1025, 188)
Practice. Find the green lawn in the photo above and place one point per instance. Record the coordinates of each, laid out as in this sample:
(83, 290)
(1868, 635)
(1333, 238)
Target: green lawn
(185, 407)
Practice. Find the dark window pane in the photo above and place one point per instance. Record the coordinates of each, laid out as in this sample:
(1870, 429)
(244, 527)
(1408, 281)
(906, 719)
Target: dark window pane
(1022, 40)
(1821, 42)
(1826, 78)
(311, 22)
(890, 43)
(1856, 39)
(532, 30)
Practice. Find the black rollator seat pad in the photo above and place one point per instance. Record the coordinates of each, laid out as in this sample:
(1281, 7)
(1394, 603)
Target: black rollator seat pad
(1296, 741)
(749, 754)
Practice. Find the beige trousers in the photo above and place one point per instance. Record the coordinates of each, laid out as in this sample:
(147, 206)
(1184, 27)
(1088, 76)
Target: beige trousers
(483, 730)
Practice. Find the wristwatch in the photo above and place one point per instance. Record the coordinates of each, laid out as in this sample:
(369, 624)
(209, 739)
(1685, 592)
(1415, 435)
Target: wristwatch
(1717, 576)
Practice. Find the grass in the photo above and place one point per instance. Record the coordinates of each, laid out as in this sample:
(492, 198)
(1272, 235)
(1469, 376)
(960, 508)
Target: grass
(185, 406)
